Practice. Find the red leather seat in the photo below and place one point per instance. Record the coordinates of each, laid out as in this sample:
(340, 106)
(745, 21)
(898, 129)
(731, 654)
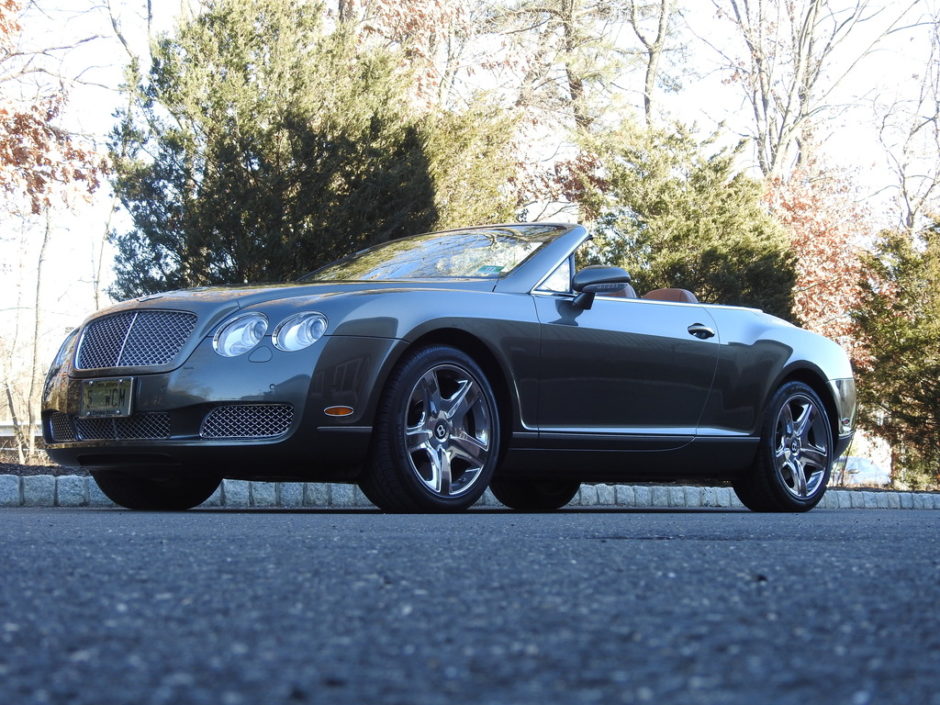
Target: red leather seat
(682, 296)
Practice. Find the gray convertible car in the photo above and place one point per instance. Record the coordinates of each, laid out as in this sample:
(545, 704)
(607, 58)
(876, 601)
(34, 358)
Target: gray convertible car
(429, 368)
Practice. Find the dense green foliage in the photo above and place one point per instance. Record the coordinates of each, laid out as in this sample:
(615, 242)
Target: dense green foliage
(262, 146)
(900, 320)
(674, 217)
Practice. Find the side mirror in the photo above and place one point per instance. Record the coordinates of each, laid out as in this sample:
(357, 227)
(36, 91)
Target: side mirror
(597, 279)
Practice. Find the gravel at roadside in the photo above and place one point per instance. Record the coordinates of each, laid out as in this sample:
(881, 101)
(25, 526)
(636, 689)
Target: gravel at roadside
(26, 470)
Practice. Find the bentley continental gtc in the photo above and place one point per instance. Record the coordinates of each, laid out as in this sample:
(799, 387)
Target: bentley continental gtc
(429, 368)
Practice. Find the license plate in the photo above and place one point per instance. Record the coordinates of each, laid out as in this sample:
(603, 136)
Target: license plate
(106, 397)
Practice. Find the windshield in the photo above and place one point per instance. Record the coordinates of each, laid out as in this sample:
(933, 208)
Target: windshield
(485, 253)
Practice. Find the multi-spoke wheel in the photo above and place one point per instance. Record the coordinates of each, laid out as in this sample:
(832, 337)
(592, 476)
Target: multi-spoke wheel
(172, 492)
(795, 455)
(533, 495)
(436, 438)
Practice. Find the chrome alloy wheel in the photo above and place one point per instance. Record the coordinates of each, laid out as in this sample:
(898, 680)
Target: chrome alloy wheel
(801, 446)
(448, 430)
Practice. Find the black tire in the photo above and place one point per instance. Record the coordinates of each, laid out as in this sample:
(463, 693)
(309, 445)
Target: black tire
(794, 459)
(436, 438)
(169, 493)
(529, 495)
(743, 488)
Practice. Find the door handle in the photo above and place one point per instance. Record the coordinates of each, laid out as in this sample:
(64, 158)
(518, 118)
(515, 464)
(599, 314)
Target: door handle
(700, 330)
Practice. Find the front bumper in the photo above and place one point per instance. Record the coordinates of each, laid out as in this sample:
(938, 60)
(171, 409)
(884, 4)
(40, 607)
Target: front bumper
(844, 395)
(257, 415)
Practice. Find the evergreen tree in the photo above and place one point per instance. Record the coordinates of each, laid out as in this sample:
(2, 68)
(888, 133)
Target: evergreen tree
(262, 146)
(674, 217)
(900, 389)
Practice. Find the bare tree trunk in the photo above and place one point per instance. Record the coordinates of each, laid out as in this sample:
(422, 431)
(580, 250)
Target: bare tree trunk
(11, 345)
(653, 47)
(98, 258)
(910, 136)
(99, 265)
(19, 437)
(575, 81)
(788, 48)
(567, 46)
(344, 10)
(32, 399)
(896, 461)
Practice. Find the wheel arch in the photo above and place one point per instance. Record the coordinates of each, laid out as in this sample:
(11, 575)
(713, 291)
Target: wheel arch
(817, 382)
(487, 360)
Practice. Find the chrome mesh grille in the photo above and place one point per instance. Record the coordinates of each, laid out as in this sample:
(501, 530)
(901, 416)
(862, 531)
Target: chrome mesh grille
(145, 426)
(247, 421)
(150, 425)
(102, 341)
(61, 427)
(157, 337)
(95, 429)
(135, 339)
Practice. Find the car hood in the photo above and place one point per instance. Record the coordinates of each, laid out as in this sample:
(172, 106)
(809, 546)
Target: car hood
(225, 299)
(244, 296)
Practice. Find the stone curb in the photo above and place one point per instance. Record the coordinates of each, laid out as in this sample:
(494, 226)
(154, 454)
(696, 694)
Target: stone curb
(81, 491)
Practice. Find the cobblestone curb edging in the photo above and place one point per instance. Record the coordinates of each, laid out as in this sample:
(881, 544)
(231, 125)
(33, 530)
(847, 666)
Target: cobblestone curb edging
(81, 491)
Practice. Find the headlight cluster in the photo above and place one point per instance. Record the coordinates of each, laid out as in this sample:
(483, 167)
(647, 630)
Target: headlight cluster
(60, 359)
(244, 332)
(299, 331)
(64, 349)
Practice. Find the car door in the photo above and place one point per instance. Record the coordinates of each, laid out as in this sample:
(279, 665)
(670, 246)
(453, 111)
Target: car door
(624, 374)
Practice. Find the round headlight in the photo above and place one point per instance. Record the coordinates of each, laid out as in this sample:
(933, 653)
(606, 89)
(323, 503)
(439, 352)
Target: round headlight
(300, 331)
(60, 359)
(64, 350)
(240, 334)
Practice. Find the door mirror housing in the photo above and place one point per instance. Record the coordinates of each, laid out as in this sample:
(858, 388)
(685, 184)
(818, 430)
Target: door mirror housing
(597, 279)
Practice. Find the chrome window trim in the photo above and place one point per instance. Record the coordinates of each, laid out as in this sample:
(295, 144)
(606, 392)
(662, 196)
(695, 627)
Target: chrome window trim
(551, 270)
(638, 300)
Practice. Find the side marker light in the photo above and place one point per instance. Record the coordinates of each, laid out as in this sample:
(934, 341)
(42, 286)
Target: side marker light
(338, 410)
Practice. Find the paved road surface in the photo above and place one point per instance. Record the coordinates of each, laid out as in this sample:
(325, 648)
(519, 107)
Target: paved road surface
(108, 606)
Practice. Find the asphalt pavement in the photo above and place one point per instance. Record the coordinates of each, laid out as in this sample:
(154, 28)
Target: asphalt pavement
(103, 606)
